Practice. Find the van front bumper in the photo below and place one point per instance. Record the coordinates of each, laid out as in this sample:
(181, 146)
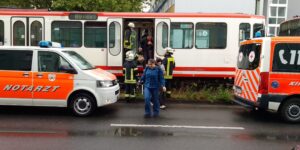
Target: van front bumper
(108, 95)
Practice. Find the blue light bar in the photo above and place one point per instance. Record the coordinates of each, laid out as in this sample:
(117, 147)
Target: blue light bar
(48, 44)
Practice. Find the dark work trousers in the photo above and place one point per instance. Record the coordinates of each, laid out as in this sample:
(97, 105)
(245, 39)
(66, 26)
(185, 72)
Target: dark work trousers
(129, 90)
(168, 86)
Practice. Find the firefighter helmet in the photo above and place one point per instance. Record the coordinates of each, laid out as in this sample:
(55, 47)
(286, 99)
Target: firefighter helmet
(169, 50)
(129, 55)
(131, 25)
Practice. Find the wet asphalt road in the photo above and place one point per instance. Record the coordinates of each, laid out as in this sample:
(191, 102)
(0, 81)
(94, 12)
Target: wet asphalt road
(54, 128)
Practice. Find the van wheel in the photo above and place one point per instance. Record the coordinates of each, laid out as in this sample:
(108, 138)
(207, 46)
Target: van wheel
(83, 104)
(290, 110)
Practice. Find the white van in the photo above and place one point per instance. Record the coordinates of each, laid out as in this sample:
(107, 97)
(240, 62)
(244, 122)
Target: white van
(47, 76)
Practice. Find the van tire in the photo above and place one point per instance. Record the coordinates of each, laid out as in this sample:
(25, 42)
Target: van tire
(82, 104)
(290, 110)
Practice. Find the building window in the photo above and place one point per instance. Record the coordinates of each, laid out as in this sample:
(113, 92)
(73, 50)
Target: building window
(69, 34)
(1, 33)
(211, 35)
(274, 1)
(272, 21)
(281, 11)
(280, 20)
(282, 1)
(271, 31)
(95, 34)
(182, 35)
(273, 11)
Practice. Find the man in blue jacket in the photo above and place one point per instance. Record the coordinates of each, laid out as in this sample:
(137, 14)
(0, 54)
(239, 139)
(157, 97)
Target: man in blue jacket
(153, 80)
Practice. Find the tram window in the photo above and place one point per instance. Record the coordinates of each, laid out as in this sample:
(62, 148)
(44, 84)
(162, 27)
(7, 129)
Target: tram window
(36, 34)
(19, 34)
(165, 32)
(182, 35)
(67, 33)
(211, 35)
(1, 33)
(258, 28)
(162, 33)
(95, 34)
(244, 31)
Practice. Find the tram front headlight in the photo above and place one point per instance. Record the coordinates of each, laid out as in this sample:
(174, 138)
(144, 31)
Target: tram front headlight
(104, 83)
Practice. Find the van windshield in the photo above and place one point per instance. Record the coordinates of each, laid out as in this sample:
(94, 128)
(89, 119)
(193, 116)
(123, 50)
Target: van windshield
(249, 56)
(79, 60)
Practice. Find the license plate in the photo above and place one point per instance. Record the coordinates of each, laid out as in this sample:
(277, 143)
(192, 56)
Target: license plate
(238, 90)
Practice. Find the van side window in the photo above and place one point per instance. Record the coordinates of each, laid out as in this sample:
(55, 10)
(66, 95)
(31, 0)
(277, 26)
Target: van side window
(1, 33)
(15, 60)
(69, 34)
(286, 57)
(51, 62)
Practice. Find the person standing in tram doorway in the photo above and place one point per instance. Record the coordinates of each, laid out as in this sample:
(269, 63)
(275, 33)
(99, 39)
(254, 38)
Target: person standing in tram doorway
(153, 80)
(169, 64)
(130, 71)
(130, 38)
(146, 46)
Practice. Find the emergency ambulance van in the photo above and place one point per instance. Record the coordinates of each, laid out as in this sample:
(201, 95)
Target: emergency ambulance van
(47, 76)
(268, 76)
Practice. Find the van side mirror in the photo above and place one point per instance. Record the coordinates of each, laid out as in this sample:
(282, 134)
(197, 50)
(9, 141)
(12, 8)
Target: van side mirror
(67, 70)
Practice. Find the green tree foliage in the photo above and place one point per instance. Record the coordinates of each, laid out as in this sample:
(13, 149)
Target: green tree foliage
(79, 5)
(26, 3)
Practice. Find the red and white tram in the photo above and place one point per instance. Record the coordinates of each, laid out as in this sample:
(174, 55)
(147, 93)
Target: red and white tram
(206, 45)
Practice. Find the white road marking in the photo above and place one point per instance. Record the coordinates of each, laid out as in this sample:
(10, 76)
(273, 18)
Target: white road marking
(176, 126)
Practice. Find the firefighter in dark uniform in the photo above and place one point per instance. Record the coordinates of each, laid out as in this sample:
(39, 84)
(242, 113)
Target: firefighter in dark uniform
(130, 71)
(169, 64)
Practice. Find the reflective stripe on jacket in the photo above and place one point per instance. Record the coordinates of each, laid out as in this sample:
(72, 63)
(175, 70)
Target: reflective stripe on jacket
(130, 40)
(130, 71)
(169, 63)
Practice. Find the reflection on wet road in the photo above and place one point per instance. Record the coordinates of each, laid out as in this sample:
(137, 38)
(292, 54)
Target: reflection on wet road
(122, 126)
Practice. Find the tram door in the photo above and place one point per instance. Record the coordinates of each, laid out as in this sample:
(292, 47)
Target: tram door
(162, 34)
(114, 42)
(27, 31)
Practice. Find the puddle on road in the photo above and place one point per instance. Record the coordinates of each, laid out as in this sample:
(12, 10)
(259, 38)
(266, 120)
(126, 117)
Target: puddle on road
(138, 132)
(142, 132)
(269, 137)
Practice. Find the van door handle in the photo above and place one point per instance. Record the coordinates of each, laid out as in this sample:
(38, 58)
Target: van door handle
(39, 75)
(26, 74)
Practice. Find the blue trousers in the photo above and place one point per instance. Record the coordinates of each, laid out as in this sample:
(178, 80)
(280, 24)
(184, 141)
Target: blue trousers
(151, 93)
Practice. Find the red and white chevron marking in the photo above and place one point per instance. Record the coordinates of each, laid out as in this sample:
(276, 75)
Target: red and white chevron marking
(248, 81)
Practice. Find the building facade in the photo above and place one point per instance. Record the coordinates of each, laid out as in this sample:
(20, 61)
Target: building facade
(275, 11)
